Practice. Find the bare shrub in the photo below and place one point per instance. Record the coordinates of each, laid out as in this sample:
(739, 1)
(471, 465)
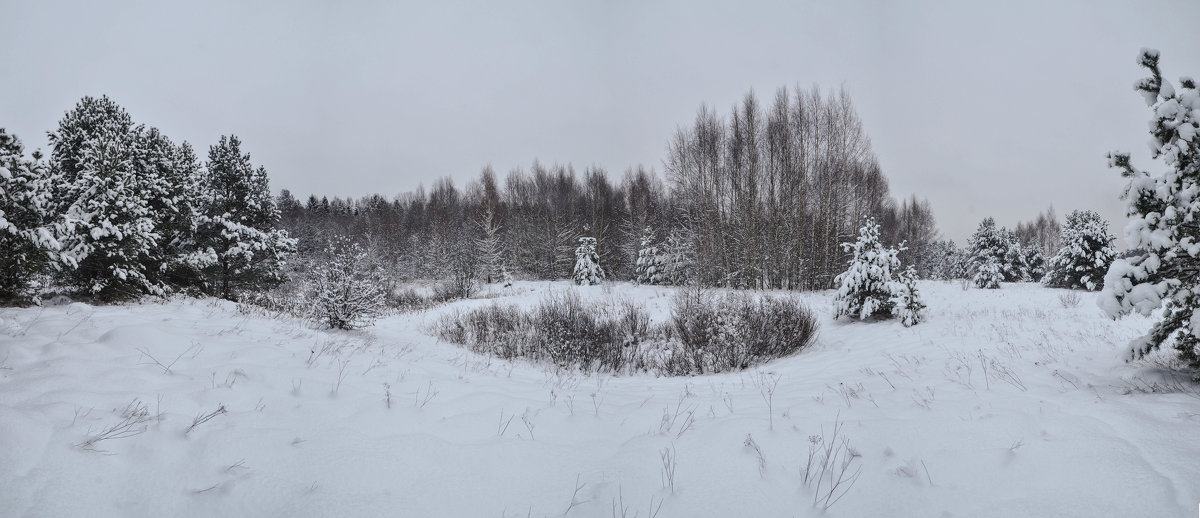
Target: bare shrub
(737, 331)
(409, 299)
(704, 335)
(1070, 299)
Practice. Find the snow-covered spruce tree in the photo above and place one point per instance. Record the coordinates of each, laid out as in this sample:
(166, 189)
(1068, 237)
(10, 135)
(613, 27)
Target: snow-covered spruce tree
(347, 287)
(1085, 255)
(27, 242)
(651, 263)
(109, 235)
(988, 275)
(1164, 212)
(587, 263)
(240, 246)
(864, 289)
(906, 299)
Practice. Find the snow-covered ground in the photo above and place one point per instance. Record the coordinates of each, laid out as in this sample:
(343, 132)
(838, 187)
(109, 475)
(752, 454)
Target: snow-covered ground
(1005, 403)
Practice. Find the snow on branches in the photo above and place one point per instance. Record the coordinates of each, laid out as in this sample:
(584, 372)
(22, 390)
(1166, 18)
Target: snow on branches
(346, 288)
(1085, 254)
(873, 286)
(1163, 210)
(587, 263)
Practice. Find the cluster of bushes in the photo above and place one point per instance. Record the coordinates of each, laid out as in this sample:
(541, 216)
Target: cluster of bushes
(706, 333)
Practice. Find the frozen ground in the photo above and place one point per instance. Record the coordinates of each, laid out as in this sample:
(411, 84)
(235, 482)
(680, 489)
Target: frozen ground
(1004, 403)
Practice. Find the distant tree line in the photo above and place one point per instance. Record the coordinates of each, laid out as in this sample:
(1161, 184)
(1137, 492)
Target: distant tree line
(761, 198)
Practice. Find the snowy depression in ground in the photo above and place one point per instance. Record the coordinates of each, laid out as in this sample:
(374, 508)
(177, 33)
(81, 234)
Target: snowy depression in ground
(1009, 402)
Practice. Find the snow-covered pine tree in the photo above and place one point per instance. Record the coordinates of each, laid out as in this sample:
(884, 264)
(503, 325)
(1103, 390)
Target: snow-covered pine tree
(109, 233)
(1164, 221)
(170, 176)
(27, 242)
(346, 288)
(907, 304)
(236, 225)
(988, 275)
(651, 263)
(678, 258)
(988, 242)
(947, 262)
(864, 289)
(1035, 262)
(1014, 266)
(587, 263)
(1085, 255)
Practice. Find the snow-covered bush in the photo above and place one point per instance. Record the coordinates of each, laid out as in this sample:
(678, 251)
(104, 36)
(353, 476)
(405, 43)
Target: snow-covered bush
(346, 289)
(27, 242)
(906, 299)
(587, 263)
(240, 248)
(1163, 210)
(1085, 254)
(988, 274)
(651, 262)
(864, 289)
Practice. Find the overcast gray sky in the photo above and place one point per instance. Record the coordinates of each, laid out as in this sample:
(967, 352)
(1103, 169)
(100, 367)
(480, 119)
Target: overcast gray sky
(999, 108)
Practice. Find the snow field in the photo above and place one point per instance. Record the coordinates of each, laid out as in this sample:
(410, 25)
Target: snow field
(1004, 403)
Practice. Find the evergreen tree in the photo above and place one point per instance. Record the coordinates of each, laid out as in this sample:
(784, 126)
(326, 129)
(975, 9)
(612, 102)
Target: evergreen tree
(1085, 255)
(505, 276)
(1164, 221)
(171, 176)
(1034, 261)
(27, 243)
(679, 258)
(1014, 267)
(946, 262)
(908, 306)
(988, 242)
(241, 247)
(587, 263)
(109, 233)
(651, 264)
(864, 289)
(988, 275)
(347, 287)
